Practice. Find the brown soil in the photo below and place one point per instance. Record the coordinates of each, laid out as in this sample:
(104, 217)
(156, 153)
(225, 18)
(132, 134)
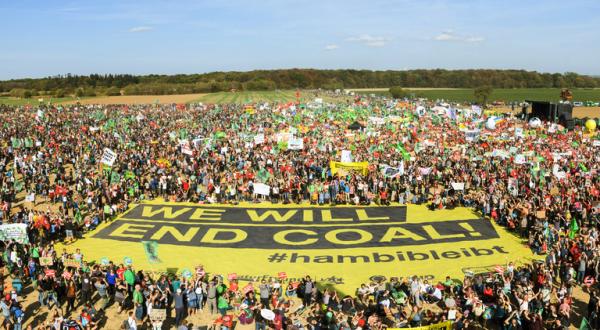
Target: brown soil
(139, 99)
(578, 112)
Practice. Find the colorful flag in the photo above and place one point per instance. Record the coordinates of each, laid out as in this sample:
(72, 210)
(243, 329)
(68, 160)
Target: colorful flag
(115, 178)
(78, 216)
(573, 228)
(151, 250)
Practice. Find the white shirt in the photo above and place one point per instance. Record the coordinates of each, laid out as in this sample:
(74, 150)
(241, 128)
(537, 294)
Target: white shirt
(132, 323)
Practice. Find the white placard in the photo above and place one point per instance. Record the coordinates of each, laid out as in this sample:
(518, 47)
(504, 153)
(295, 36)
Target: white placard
(108, 157)
(259, 139)
(520, 159)
(458, 185)
(346, 156)
(262, 189)
(295, 144)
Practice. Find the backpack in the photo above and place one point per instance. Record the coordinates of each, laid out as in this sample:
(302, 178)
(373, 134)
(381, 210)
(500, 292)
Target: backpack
(18, 313)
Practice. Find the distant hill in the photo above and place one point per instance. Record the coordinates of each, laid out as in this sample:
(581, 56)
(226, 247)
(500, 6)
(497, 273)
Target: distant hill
(96, 84)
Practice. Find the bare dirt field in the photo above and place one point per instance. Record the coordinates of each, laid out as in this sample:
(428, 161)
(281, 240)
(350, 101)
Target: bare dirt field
(138, 99)
(578, 112)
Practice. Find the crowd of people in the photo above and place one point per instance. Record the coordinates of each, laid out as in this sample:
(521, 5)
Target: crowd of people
(537, 179)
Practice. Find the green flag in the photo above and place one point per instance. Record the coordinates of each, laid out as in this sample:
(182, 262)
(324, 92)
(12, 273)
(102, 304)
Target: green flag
(115, 178)
(18, 185)
(183, 134)
(151, 250)
(282, 145)
(584, 325)
(405, 154)
(573, 228)
(583, 167)
(78, 216)
(263, 175)
(28, 142)
(129, 175)
(16, 143)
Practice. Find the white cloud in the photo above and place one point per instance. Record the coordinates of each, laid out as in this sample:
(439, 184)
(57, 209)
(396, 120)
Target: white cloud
(475, 39)
(369, 40)
(449, 35)
(140, 29)
(332, 47)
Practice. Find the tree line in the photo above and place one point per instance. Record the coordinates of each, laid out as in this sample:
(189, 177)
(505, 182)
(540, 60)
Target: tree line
(109, 84)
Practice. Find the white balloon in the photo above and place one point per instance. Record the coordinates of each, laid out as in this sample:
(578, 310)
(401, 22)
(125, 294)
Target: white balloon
(490, 124)
(535, 122)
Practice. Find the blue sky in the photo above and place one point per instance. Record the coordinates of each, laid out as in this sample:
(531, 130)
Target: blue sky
(47, 37)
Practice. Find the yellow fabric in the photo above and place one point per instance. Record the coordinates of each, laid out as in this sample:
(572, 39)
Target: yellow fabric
(347, 275)
(363, 167)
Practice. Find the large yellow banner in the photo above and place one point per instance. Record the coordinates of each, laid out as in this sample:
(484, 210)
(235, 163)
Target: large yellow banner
(342, 246)
(362, 167)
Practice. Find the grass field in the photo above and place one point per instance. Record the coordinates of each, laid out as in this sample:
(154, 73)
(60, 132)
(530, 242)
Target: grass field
(507, 95)
(247, 97)
(457, 95)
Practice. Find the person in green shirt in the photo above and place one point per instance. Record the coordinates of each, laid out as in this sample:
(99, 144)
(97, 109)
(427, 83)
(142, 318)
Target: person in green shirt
(175, 284)
(138, 302)
(129, 276)
(223, 303)
(448, 283)
(35, 253)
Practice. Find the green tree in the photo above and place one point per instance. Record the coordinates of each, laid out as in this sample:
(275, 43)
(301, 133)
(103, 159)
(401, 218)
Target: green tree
(79, 92)
(113, 91)
(482, 94)
(27, 94)
(59, 93)
(17, 92)
(398, 92)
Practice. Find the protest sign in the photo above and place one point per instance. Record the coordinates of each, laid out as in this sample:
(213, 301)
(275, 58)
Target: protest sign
(158, 315)
(185, 149)
(295, 144)
(520, 159)
(247, 288)
(458, 185)
(69, 262)
(362, 167)
(472, 135)
(346, 156)
(377, 120)
(108, 157)
(14, 232)
(519, 132)
(393, 172)
(259, 139)
(262, 189)
(46, 261)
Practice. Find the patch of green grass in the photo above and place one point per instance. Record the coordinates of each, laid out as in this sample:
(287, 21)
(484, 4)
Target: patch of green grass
(247, 97)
